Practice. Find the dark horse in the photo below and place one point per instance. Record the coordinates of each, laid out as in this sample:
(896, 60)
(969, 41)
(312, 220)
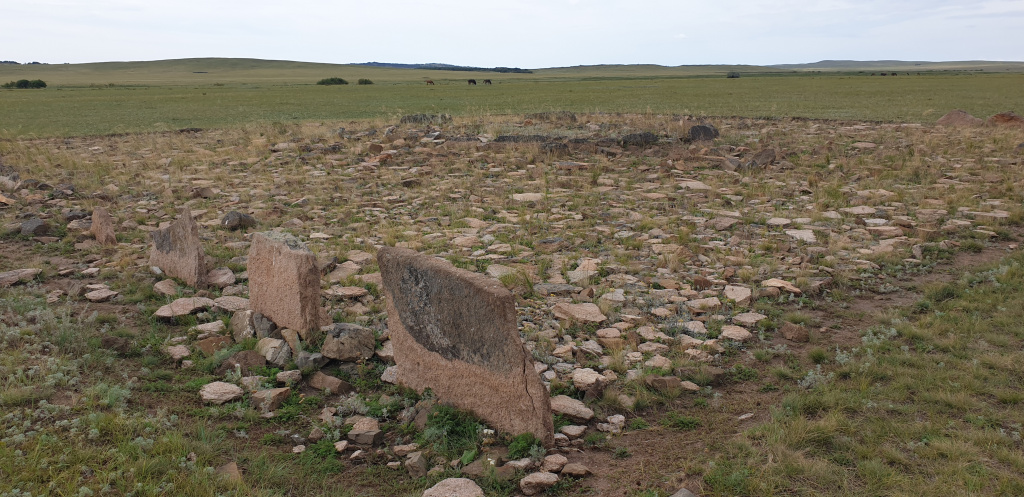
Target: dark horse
(472, 81)
(487, 81)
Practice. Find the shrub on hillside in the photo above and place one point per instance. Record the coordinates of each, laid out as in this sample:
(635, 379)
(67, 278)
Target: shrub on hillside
(24, 83)
(732, 75)
(332, 81)
(364, 81)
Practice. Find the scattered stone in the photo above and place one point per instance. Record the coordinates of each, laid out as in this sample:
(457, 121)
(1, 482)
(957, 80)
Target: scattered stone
(748, 319)
(178, 251)
(366, 431)
(183, 307)
(35, 227)
(575, 470)
(219, 392)
(329, 384)
(230, 472)
(220, 277)
(177, 352)
(585, 313)
(535, 483)
(1006, 119)
(277, 352)
(703, 132)
(348, 342)
(554, 463)
(794, 332)
(453, 487)
(572, 408)
(211, 345)
(235, 220)
(284, 282)
(18, 276)
(167, 288)
(270, 400)
(738, 294)
(456, 332)
(735, 333)
(782, 285)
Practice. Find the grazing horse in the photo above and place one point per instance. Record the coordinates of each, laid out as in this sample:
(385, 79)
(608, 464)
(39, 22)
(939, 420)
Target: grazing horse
(430, 82)
(487, 81)
(472, 81)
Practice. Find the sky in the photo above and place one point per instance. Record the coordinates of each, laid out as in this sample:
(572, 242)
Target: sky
(513, 33)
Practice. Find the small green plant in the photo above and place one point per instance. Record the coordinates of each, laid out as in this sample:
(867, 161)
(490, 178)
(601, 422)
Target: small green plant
(818, 355)
(621, 453)
(680, 422)
(332, 81)
(740, 372)
(520, 446)
(638, 424)
(451, 431)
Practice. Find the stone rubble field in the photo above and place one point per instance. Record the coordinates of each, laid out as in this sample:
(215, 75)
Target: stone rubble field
(655, 263)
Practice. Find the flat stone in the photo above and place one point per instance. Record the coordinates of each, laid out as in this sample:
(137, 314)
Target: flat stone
(167, 288)
(284, 282)
(346, 292)
(177, 352)
(575, 470)
(586, 313)
(178, 251)
(211, 345)
(782, 285)
(230, 304)
(328, 383)
(860, 210)
(219, 392)
(535, 483)
(527, 197)
(735, 333)
(574, 409)
(748, 318)
(17, 276)
(183, 307)
(739, 294)
(803, 235)
(709, 304)
(456, 332)
(101, 295)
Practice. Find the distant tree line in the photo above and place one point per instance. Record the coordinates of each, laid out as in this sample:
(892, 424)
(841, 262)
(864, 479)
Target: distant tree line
(24, 83)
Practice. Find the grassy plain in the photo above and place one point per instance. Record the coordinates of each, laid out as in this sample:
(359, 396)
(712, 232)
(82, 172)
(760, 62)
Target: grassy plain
(98, 99)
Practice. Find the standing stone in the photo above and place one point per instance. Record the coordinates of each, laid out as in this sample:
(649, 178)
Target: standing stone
(284, 282)
(103, 227)
(178, 251)
(455, 332)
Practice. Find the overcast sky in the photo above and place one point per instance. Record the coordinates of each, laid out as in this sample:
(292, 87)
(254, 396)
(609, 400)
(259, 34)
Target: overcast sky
(514, 33)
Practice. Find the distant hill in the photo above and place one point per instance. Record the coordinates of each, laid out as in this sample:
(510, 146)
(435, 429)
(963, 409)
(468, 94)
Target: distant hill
(905, 65)
(434, 66)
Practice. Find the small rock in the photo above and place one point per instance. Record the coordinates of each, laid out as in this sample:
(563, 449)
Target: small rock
(535, 483)
(554, 463)
(219, 392)
(586, 313)
(454, 487)
(575, 470)
(572, 408)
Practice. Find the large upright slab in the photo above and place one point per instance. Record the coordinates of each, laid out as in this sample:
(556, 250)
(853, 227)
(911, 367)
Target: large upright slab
(455, 332)
(284, 282)
(178, 251)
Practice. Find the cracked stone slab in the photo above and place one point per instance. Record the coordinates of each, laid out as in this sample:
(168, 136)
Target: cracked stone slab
(455, 332)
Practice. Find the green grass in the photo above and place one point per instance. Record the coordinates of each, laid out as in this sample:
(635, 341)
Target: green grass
(923, 407)
(92, 99)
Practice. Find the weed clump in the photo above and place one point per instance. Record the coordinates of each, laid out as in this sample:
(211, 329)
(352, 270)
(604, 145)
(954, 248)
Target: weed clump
(451, 431)
(332, 81)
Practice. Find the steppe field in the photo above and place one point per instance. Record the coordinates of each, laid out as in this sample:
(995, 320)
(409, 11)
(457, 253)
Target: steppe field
(790, 283)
